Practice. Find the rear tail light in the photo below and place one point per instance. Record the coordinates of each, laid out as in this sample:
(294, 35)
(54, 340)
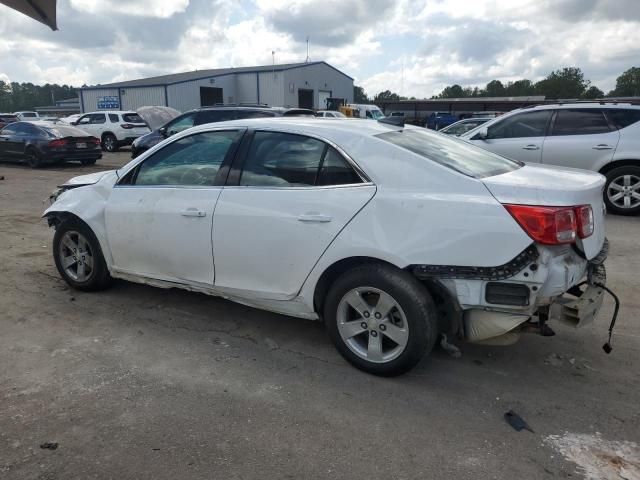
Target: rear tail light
(554, 225)
(584, 214)
(60, 142)
(127, 126)
(94, 140)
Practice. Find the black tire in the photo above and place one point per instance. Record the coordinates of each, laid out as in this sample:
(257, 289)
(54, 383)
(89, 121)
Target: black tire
(90, 161)
(412, 297)
(34, 159)
(98, 278)
(109, 142)
(613, 177)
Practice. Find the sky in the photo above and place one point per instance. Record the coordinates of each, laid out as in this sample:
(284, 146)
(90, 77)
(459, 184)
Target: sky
(412, 47)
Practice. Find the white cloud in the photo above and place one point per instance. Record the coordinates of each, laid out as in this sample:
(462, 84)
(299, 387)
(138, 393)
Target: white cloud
(147, 8)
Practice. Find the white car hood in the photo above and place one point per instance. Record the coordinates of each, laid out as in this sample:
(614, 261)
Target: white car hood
(88, 179)
(554, 187)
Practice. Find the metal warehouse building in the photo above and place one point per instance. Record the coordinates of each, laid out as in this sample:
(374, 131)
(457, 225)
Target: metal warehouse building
(304, 85)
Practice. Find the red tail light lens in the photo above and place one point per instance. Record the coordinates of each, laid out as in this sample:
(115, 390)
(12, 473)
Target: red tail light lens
(60, 142)
(547, 225)
(94, 140)
(584, 215)
(127, 126)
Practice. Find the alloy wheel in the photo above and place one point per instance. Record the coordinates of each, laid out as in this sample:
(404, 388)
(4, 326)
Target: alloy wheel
(76, 256)
(109, 143)
(624, 191)
(372, 324)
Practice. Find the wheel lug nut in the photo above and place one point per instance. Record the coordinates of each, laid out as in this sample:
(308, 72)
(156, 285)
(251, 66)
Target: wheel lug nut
(383, 327)
(378, 316)
(374, 333)
(364, 325)
(366, 314)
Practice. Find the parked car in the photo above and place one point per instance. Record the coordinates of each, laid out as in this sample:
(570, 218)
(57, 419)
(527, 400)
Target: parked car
(7, 118)
(463, 126)
(25, 115)
(371, 112)
(115, 129)
(603, 137)
(39, 143)
(438, 120)
(330, 114)
(71, 118)
(204, 115)
(309, 218)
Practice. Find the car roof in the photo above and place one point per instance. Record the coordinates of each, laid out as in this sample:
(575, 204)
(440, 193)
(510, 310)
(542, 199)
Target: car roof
(562, 105)
(109, 111)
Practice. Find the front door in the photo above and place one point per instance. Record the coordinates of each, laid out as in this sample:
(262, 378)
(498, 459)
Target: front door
(520, 137)
(580, 138)
(159, 216)
(289, 201)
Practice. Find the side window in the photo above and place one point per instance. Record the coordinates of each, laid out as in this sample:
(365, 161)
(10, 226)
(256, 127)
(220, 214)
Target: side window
(211, 116)
(336, 170)
(9, 130)
(21, 129)
(254, 114)
(84, 120)
(521, 125)
(98, 118)
(31, 130)
(113, 117)
(580, 122)
(190, 161)
(623, 117)
(282, 160)
(181, 124)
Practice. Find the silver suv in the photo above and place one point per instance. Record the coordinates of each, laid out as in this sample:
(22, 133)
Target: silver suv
(603, 137)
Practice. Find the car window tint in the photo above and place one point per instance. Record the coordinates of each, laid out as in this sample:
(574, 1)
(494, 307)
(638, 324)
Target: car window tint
(580, 122)
(336, 170)
(21, 128)
(189, 161)
(132, 118)
(211, 116)
(84, 120)
(29, 129)
(181, 124)
(622, 118)
(9, 130)
(451, 152)
(97, 118)
(254, 114)
(281, 160)
(113, 118)
(529, 124)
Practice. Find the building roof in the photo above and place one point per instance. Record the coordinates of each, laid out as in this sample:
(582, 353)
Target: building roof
(203, 74)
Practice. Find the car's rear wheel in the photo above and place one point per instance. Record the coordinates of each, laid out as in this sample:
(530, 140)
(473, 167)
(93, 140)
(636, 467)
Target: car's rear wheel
(78, 256)
(109, 142)
(34, 159)
(622, 190)
(381, 319)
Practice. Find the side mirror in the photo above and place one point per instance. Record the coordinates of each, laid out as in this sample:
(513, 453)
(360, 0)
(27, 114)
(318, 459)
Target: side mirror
(163, 131)
(482, 134)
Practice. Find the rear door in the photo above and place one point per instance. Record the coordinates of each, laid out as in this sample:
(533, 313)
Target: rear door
(287, 198)
(519, 137)
(7, 136)
(580, 138)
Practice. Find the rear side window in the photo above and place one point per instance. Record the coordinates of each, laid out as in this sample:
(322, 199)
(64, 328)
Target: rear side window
(211, 116)
(460, 156)
(580, 122)
(132, 118)
(622, 118)
(336, 170)
(113, 118)
(98, 118)
(521, 125)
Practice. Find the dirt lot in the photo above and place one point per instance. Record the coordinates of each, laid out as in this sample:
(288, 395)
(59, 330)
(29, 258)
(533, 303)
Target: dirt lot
(138, 382)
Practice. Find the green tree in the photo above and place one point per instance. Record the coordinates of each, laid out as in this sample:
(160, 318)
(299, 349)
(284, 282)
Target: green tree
(568, 82)
(593, 92)
(386, 96)
(452, 91)
(359, 95)
(495, 89)
(627, 84)
(520, 88)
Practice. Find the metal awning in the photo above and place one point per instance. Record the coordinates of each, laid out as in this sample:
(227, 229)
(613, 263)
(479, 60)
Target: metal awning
(43, 11)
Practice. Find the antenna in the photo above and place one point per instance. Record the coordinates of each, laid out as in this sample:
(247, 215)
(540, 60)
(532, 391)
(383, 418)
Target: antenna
(307, 60)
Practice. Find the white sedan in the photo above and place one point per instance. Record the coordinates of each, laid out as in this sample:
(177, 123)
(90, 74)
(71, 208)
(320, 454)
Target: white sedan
(395, 236)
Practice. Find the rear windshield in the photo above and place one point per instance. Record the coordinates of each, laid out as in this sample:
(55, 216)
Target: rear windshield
(8, 118)
(456, 154)
(61, 131)
(132, 118)
(28, 114)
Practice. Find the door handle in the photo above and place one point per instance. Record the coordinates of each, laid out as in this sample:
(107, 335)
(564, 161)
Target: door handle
(314, 217)
(192, 212)
(531, 147)
(603, 146)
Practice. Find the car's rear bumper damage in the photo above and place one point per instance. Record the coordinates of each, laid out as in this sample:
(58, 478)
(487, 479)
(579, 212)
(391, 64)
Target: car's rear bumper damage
(539, 285)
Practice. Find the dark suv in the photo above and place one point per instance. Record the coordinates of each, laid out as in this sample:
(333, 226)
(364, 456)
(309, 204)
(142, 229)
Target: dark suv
(203, 115)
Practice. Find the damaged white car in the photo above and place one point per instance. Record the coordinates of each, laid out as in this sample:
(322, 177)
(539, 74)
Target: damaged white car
(395, 236)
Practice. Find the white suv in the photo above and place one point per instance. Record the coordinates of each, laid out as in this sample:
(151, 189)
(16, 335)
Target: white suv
(603, 137)
(114, 128)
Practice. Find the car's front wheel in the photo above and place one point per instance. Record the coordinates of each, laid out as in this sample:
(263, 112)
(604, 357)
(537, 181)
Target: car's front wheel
(78, 256)
(381, 319)
(622, 191)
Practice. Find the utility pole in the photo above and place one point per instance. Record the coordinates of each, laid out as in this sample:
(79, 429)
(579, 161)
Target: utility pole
(307, 60)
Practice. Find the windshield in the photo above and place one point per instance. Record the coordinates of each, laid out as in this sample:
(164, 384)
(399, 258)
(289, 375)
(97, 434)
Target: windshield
(460, 156)
(375, 114)
(29, 114)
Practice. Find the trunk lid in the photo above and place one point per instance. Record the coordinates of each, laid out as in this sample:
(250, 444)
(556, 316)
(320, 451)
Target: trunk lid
(547, 185)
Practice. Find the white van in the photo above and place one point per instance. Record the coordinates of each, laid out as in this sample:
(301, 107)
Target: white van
(26, 116)
(368, 111)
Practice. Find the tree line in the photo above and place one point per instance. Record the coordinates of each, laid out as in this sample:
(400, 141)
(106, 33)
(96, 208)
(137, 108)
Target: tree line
(567, 82)
(15, 97)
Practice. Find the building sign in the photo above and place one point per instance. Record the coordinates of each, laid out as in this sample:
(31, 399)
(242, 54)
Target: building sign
(108, 102)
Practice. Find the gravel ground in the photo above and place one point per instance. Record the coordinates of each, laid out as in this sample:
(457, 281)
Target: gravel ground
(137, 382)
